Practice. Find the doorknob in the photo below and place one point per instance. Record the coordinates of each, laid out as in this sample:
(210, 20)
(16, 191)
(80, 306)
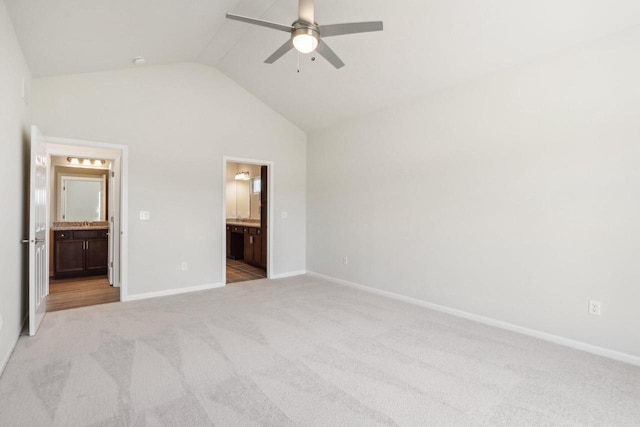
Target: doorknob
(38, 240)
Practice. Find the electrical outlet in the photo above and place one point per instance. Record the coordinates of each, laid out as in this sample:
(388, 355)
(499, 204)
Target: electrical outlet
(184, 266)
(345, 260)
(595, 307)
(144, 215)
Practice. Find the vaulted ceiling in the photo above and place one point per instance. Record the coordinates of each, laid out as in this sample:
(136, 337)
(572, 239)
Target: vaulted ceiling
(426, 45)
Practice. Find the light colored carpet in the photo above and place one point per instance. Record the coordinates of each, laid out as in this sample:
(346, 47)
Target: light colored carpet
(301, 351)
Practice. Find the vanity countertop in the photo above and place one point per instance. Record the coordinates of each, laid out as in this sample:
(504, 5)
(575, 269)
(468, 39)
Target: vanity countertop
(80, 225)
(243, 223)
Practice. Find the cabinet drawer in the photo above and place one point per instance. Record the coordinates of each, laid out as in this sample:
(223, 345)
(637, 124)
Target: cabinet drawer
(254, 230)
(236, 229)
(103, 234)
(63, 235)
(86, 234)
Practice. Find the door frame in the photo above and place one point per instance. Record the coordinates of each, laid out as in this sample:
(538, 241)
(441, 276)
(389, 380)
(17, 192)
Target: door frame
(270, 198)
(118, 155)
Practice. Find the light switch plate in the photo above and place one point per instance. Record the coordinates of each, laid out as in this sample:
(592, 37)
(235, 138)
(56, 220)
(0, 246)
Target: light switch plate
(284, 215)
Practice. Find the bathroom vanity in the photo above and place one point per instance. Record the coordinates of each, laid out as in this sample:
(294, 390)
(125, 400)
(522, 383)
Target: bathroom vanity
(244, 241)
(80, 250)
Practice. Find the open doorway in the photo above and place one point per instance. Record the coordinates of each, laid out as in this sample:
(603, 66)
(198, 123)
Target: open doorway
(246, 221)
(81, 249)
(41, 219)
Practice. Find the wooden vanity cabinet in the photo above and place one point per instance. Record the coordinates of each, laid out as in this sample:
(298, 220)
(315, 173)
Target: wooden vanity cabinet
(253, 246)
(246, 243)
(80, 253)
(235, 242)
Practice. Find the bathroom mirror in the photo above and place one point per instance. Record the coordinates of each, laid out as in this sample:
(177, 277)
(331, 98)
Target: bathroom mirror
(243, 185)
(82, 198)
(243, 199)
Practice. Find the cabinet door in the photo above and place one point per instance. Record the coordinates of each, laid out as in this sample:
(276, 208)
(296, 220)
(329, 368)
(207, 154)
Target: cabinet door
(69, 256)
(97, 255)
(257, 250)
(248, 248)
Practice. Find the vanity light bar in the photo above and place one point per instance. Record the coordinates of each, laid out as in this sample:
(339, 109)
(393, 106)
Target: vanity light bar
(85, 162)
(242, 176)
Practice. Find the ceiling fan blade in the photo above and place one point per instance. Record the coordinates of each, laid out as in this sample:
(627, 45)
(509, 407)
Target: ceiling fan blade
(260, 22)
(349, 28)
(324, 50)
(306, 11)
(281, 51)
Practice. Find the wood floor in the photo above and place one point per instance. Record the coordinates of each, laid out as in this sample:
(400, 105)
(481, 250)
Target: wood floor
(80, 292)
(240, 271)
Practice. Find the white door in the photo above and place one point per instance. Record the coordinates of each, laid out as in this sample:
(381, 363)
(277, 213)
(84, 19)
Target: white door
(38, 249)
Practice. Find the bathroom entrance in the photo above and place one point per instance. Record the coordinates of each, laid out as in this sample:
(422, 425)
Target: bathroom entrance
(80, 248)
(246, 221)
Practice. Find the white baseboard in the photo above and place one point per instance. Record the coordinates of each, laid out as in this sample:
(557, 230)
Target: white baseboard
(172, 292)
(3, 363)
(289, 274)
(567, 342)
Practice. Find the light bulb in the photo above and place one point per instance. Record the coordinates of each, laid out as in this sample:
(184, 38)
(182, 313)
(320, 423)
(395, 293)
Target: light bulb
(305, 43)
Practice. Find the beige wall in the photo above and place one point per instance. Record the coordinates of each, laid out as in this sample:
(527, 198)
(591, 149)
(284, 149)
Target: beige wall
(178, 122)
(514, 198)
(14, 131)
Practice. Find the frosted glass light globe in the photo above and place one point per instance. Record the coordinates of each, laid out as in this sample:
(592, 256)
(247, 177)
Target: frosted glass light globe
(305, 43)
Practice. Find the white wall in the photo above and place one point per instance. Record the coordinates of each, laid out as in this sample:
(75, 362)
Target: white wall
(516, 197)
(14, 126)
(179, 121)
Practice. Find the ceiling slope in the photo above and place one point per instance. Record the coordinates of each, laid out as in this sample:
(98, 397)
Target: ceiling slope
(426, 45)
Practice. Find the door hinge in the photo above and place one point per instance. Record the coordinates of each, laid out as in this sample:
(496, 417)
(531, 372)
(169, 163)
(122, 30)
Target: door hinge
(111, 264)
(113, 174)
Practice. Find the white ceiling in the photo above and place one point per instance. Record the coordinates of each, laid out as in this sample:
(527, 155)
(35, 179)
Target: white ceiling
(427, 45)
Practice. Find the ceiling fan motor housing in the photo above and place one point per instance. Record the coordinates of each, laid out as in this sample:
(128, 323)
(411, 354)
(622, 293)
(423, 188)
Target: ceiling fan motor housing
(305, 31)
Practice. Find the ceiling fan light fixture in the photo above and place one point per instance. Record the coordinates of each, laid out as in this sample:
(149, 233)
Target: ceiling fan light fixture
(305, 33)
(305, 39)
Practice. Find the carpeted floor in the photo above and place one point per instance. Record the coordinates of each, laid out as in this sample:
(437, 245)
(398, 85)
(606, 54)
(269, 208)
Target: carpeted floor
(301, 351)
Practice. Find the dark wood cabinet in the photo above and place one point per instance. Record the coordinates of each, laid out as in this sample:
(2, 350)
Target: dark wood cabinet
(253, 247)
(235, 242)
(80, 253)
(97, 256)
(246, 243)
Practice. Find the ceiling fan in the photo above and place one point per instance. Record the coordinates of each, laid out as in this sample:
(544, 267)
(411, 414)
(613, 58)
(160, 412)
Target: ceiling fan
(306, 34)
